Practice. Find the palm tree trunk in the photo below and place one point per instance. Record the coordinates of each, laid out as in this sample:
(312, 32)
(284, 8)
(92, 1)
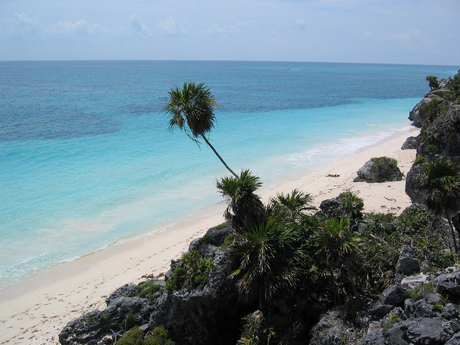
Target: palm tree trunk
(351, 278)
(453, 234)
(218, 156)
(336, 289)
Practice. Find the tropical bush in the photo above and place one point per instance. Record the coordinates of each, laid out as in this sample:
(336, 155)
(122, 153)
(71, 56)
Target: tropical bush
(135, 336)
(194, 271)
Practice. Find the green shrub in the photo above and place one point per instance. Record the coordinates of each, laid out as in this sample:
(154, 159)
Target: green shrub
(147, 289)
(421, 290)
(420, 160)
(432, 149)
(228, 240)
(433, 82)
(159, 336)
(207, 239)
(378, 160)
(177, 280)
(129, 320)
(135, 336)
(222, 226)
(351, 204)
(194, 271)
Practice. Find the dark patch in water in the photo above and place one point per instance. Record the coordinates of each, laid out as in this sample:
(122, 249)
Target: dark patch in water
(141, 109)
(52, 122)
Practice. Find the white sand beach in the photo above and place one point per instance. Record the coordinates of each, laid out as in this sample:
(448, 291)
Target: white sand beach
(35, 310)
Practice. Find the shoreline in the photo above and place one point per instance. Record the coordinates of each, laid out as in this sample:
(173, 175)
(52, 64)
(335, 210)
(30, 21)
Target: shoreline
(35, 310)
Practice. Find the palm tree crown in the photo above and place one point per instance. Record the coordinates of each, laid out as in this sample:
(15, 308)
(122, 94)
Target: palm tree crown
(192, 109)
(245, 208)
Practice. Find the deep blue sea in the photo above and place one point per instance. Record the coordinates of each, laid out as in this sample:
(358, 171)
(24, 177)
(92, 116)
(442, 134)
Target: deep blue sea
(86, 158)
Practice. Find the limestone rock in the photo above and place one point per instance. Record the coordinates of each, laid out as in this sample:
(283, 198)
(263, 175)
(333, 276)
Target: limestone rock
(408, 263)
(449, 283)
(374, 337)
(411, 143)
(381, 169)
(414, 281)
(328, 331)
(395, 295)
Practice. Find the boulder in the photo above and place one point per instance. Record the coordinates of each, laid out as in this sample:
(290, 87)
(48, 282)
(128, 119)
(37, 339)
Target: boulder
(418, 309)
(408, 263)
(419, 114)
(449, 283)
(454, 340)
(381, 169)
(428, 331)
(345, 204)
(414, 281)
(328, 331)
(451, 312)
(379, 310)
(127, 290)
(395, 295)
(375, 337)
(218, 234)
(410, 143)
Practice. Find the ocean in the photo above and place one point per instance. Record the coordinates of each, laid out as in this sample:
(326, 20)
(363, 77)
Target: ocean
(86, 158)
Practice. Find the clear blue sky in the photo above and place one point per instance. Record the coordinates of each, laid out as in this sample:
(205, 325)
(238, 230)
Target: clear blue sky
(369, 31)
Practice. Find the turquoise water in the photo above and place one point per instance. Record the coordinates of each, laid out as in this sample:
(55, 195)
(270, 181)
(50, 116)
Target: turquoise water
(87, 160)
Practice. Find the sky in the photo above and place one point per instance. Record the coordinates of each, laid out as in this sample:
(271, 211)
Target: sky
(425, 32)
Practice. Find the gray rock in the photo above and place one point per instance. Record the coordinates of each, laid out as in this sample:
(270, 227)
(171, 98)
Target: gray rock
(195, 244)
(418, 309)
(449, 283)
(88, 330)
(397, 335)
(428, 331)
(396, 295)
(374, 337)
(380, 310)
(414, 281)
(118, 310)
(408, 263)
(328, 331)
(450, 312)
(218, 235)
(419, 114)
(454, 340)
(410, 144)
(174, 264)
(127, 290)
(381, 169)
(192, 316)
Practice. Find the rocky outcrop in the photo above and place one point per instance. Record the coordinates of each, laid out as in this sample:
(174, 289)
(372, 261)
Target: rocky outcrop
(192, 315)
(411, 143)
(417, 316)
(381, 169)
(438, 115)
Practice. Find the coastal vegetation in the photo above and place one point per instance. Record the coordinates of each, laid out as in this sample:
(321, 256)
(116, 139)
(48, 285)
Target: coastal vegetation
(287, 273)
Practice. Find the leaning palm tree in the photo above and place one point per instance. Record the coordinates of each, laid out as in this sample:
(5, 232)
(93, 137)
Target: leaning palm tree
(191, 109)
(441, 184)
(338, 245)
(245, 208)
